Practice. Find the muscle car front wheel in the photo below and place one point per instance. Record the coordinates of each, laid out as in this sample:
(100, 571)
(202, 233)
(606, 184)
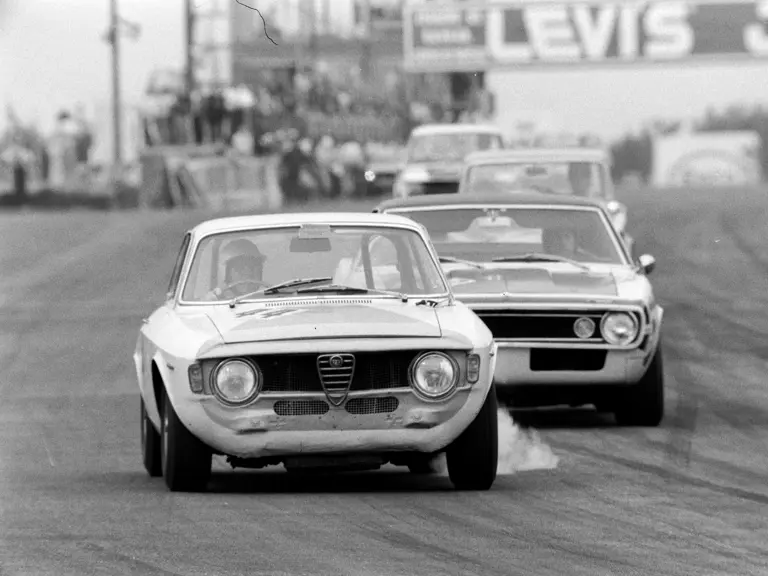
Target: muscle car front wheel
(473, 457)
(150, 445)
(644, 403)
(186, 460)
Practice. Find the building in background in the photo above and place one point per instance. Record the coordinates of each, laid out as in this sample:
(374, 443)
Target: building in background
(594, 66)
(339, 35)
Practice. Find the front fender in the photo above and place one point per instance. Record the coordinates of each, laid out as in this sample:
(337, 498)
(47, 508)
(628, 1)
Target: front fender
(151, 401)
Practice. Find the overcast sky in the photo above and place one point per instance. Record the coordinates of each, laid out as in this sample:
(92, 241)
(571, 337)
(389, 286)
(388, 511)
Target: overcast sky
(52, 53)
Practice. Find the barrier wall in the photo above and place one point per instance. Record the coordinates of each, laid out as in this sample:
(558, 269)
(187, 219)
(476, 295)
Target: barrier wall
(207, 177)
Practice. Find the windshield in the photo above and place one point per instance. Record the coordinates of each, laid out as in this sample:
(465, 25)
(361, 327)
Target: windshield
(566, 178)
(442, 147)
(234, 264)
(485, 234)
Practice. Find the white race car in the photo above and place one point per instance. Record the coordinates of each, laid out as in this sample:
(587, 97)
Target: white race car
(434, 155)
(314, 340)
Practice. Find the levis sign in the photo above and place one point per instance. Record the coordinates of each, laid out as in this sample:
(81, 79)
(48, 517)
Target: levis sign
(594, 31)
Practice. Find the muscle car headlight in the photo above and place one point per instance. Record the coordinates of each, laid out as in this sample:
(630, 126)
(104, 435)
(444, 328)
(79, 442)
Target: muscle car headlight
(619, 328)
(236, 381)
(434, 374)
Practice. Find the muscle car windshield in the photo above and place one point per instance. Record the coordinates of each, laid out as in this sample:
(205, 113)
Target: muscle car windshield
(566, 178)
(486, 234)
(442, 147)
(233, 264)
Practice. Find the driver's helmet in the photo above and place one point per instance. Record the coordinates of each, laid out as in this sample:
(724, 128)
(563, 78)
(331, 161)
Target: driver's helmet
(242, 254)
(556, 240)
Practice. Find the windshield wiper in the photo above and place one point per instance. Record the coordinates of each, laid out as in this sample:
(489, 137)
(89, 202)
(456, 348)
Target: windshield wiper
(452, 260)
(295, 282)
(277, 287)
(537, 257)
(341, 289)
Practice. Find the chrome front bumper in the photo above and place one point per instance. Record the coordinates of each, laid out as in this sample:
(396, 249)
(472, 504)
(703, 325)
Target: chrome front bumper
(513, 368)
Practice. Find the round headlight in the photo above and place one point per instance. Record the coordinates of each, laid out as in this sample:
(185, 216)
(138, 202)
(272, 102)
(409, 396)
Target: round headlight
(619, 328)
(584, 327)
(434, 374)
(236, 381)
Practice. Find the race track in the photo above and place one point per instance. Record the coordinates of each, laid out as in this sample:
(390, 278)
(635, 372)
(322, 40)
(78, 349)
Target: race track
(688, 498)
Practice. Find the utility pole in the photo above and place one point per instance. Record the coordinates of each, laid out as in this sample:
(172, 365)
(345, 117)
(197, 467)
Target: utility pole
(114, 40)
(190, 44)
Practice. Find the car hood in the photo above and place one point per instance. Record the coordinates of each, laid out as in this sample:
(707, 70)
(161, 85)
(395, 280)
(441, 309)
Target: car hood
(554, 279)
(316, 320)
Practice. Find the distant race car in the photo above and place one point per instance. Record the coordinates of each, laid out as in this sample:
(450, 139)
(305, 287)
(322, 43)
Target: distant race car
(575, 171)
(574, 316)
(434, 156)
(314, 340)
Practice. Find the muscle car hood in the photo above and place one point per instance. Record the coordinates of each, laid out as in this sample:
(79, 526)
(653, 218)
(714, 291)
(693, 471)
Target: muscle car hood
(556, 279)
(388, 319)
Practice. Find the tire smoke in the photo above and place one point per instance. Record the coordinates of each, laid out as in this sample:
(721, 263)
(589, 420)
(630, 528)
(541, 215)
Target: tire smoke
(520, 450)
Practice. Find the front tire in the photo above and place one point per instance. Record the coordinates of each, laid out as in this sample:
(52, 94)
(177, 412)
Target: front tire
(186, 460)
(644, 403)
(473, 457)
(150, 445)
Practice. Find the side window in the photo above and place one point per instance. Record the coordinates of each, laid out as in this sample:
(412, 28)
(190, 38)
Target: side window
(171, 292)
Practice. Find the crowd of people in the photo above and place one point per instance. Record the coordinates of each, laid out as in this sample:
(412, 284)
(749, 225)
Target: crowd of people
(31, 161)
(320, 122)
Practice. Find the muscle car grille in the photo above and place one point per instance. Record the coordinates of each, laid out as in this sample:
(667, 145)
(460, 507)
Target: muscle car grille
(440, 187)
(301, 372)
(539, 325)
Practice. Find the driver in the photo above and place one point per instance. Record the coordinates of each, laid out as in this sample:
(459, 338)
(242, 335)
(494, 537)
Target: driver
(243, 270)
(580, 178)
(560, 242)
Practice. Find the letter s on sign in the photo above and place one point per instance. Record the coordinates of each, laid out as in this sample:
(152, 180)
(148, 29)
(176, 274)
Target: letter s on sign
(755, 38)
(668, 31)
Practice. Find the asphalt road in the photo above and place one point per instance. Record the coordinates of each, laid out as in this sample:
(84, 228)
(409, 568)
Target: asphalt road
(687, 498)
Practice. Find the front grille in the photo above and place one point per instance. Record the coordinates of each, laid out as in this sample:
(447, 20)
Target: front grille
(539, 325)
(372, 405)
(299, 372)
(440, 187)
(301, 407)
(336, 371)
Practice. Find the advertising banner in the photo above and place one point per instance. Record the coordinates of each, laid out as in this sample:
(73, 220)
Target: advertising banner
(707, 159)
(539, 33)
(446, 36)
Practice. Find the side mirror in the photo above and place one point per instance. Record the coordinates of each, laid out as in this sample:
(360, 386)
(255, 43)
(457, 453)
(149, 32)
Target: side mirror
(647, 263)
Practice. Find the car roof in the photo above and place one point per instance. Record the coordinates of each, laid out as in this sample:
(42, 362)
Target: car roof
(297, 218)
(522, 199)
(439, 128)
(533, 154)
